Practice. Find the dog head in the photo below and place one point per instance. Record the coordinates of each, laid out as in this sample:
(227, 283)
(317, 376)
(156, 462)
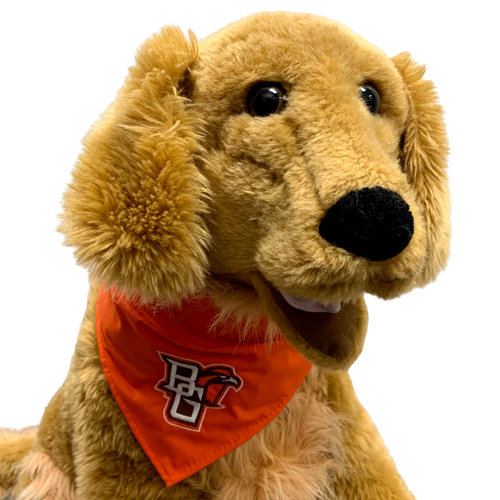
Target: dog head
(284, 156)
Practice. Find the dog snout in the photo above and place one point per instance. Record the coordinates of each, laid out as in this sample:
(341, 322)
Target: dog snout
(374, 223)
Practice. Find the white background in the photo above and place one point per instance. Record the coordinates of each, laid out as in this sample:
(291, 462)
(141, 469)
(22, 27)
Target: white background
(429, 373)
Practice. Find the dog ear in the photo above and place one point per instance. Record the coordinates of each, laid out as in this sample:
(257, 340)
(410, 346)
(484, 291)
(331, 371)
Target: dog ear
(134, 207)
(423, 157)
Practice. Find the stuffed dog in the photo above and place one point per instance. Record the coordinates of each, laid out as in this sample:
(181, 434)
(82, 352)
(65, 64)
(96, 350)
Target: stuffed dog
(232, 207)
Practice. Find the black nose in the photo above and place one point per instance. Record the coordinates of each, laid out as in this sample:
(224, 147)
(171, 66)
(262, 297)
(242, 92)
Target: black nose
(374, 223)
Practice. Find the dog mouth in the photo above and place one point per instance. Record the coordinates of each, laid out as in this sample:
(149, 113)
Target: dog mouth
(330, 335)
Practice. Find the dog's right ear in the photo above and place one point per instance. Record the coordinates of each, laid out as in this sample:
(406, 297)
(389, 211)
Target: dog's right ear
(134, 207)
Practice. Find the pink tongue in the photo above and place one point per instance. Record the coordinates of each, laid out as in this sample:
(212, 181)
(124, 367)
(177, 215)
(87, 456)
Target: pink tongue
(309, 305)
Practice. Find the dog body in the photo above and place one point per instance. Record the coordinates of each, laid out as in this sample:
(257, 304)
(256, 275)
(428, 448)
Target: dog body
(252, 171)
(85, 444)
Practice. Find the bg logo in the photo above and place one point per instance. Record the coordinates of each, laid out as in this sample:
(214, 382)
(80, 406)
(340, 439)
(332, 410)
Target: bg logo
(191, 388)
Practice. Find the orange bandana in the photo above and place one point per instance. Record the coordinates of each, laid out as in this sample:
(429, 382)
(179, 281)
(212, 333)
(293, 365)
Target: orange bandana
(191, 392)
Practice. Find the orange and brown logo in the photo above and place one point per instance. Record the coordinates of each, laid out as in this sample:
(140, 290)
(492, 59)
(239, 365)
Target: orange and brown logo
(192, 388)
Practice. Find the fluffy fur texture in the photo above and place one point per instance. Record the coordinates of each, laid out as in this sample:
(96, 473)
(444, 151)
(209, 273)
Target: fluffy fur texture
(40, 479)
(298, 464)
(133, 210)
(14, 445)
(179, 190)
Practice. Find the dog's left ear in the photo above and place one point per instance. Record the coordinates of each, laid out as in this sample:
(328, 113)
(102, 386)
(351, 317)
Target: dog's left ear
(134, 207)
(423, 157)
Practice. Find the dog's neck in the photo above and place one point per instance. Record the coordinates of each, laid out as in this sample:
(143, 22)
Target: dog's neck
(191, 388)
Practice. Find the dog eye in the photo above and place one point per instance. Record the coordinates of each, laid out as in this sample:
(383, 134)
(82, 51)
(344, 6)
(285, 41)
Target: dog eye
(370, 97)
(266, 99)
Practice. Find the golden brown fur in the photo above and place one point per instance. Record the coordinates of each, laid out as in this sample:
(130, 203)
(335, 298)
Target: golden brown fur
(179, 190)
(14, 446)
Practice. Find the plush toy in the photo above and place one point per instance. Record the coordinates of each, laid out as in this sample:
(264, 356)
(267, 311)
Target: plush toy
(232, 206)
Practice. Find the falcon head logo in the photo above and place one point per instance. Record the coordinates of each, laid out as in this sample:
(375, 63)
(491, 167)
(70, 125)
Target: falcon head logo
(192, 388)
